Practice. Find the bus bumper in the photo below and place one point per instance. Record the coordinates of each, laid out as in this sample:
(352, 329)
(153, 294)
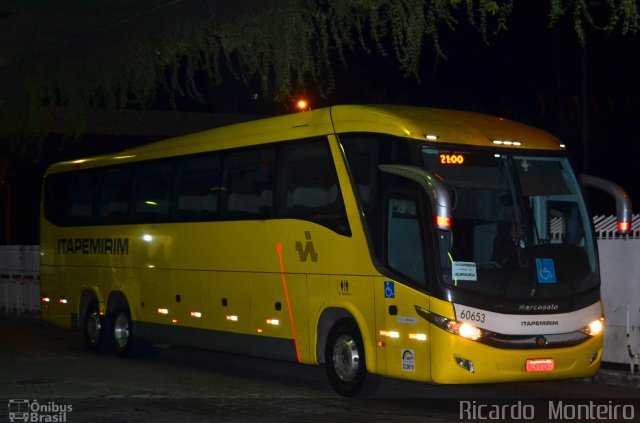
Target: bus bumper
(452, 353)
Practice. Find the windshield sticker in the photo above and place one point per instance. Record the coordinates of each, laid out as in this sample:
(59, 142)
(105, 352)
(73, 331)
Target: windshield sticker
(408, 364)
(464, 271)
(546, 270)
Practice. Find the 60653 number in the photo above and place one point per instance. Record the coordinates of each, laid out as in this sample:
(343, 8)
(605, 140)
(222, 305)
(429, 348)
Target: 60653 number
(474, 316)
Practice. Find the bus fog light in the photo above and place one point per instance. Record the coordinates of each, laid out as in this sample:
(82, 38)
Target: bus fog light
(465, 364)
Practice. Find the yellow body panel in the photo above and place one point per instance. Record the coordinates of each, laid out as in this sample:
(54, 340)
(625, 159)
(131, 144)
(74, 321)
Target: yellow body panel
(241, 276)
(395, 354)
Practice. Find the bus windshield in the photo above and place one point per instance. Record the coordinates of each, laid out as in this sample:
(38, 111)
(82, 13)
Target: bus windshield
(519, 225)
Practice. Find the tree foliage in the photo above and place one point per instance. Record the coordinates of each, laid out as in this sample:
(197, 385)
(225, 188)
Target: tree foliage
(283, 45)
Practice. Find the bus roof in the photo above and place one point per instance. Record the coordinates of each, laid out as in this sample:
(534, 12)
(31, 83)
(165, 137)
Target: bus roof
(446, 126)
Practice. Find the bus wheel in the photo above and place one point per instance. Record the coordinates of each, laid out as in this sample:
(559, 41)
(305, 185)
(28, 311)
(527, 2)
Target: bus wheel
(345, 361)
(121, 332)
(94, 329)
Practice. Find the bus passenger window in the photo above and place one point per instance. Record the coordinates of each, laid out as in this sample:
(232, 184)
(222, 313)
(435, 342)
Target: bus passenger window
(249, 181)
(56, 198)
(308, 186)
(113, 204)
(152, 186)
(81, 192)
(198, 188)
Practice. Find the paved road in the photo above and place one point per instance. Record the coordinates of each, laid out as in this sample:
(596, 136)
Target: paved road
(51, 369)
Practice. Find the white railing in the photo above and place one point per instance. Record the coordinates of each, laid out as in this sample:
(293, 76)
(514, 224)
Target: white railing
(20, 279)
(607, 227)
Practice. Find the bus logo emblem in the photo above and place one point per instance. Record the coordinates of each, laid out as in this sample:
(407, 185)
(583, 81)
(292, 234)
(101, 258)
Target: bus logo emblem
(308, 250)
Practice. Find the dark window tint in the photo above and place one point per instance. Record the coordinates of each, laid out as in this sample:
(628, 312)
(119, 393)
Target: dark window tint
(113, 203)
(249, 181)
(198, 188)
(55, 198)
(80, 198)
(364, 153)
(404, 239)
(152, 189)
(234, 184)
(68, 198)
(308, 186)
(543, 177)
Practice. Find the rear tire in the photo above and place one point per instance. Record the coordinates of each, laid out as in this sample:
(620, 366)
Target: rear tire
(123, 338)
(345, 361)
(121, 333)
(94, 329)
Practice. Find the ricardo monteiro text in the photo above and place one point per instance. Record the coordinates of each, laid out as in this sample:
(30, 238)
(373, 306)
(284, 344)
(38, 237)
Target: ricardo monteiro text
(557, 410)
(93, 246)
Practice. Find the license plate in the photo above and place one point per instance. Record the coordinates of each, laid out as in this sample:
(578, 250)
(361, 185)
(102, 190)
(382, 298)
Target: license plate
(540, 365)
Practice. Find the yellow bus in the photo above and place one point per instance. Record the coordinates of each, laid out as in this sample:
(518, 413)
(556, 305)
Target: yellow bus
(422, 244)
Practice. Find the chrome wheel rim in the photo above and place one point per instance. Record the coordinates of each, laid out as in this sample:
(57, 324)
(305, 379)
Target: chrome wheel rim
(94, 327)
(121, 331)
(346, 358)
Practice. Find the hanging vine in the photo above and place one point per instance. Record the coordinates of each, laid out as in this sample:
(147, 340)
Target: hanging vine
(286, 46)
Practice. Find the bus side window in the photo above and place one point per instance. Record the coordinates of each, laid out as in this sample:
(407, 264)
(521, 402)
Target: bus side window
(362, 156)
(198, 188)
(308, 186)
(115, 188)
(152, 187)
(80, 198)
(249, 181)
(56, 200)
(364, 153)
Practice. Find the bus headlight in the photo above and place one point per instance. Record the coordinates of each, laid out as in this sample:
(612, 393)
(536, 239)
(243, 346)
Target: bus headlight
(594, 328)
(463, 329)
(468, 331)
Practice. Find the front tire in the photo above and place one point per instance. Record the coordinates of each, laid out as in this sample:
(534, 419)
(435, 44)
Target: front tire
(345, 361)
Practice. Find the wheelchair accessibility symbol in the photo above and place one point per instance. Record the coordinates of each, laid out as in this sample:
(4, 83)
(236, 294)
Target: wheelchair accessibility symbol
(389, 290)
(546, 270)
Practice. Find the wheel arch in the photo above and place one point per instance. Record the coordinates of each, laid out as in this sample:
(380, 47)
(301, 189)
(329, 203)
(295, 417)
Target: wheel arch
(328, 319)
(117, 299)
(86, 298)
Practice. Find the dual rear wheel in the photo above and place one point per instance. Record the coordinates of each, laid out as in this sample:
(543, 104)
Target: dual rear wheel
(114, 331)
(344, 353)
